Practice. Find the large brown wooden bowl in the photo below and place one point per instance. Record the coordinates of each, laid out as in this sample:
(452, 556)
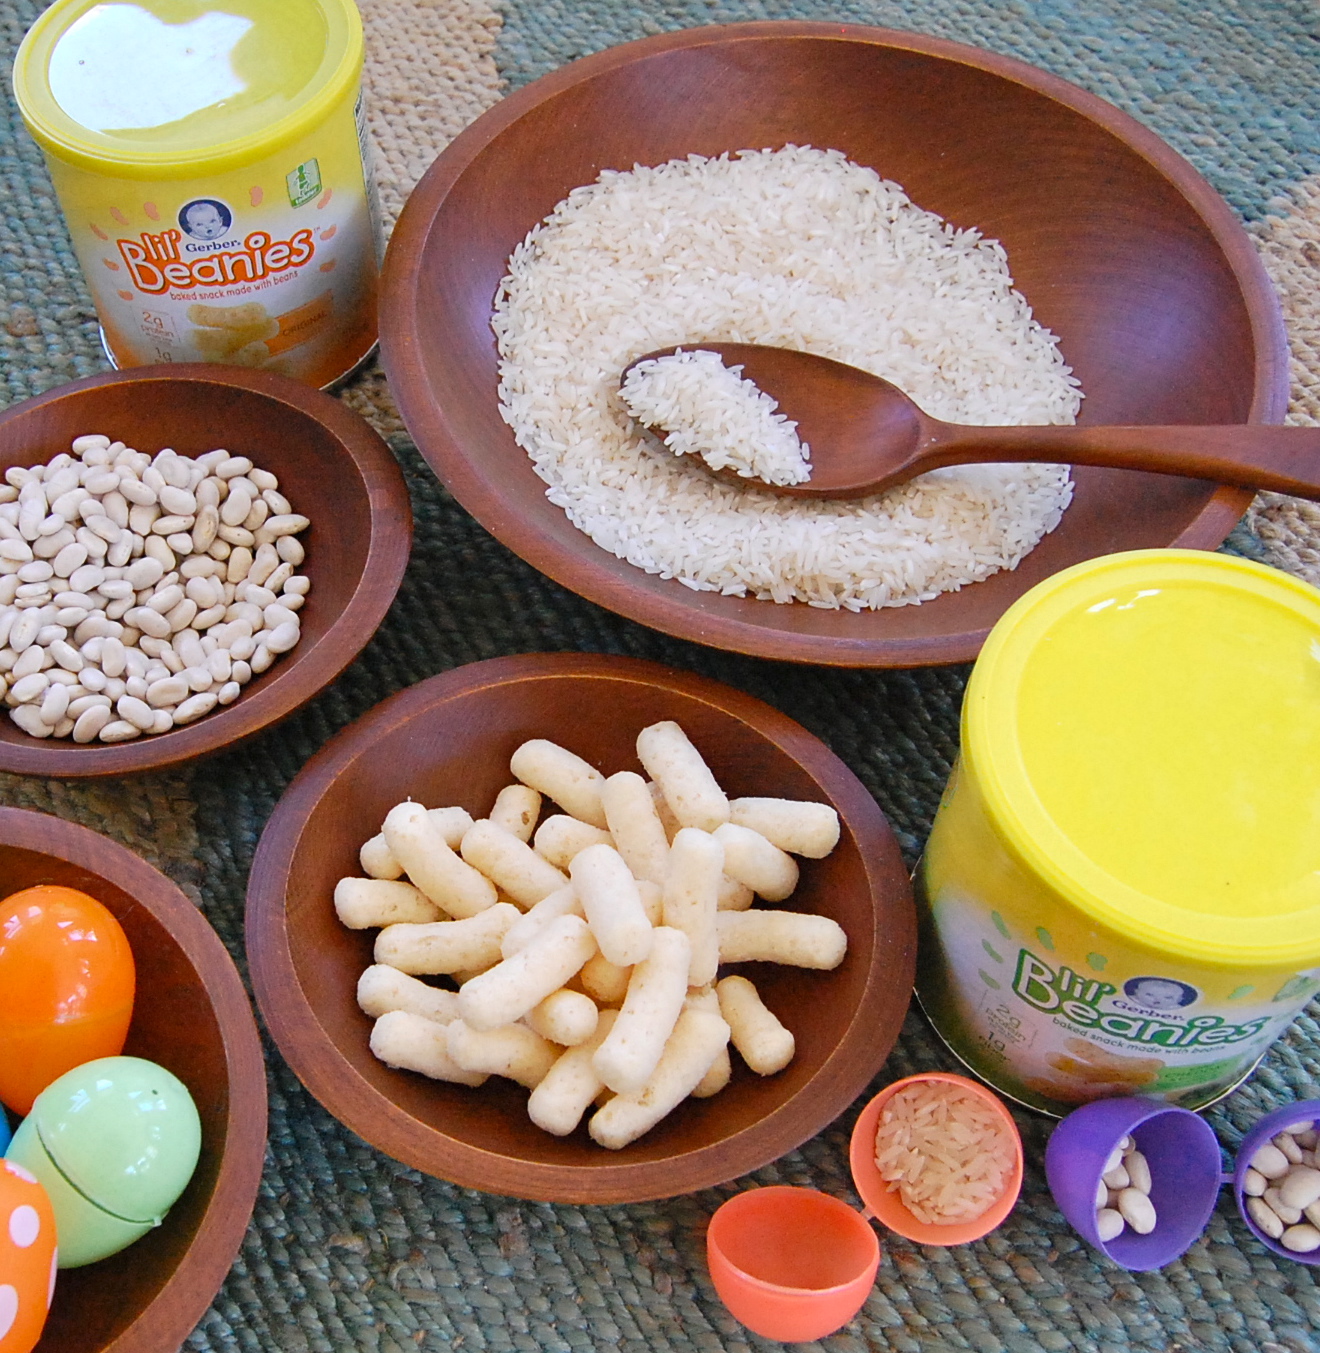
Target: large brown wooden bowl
(1121, 248)
(448, 740)
(331, 465)
(192, 1016)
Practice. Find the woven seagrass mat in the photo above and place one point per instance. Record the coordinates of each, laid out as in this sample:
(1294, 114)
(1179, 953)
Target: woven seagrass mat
(350, 1250)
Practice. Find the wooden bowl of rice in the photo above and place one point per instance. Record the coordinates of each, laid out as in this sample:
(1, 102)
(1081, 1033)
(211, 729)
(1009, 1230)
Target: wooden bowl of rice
(448, 741)
(1160, 307)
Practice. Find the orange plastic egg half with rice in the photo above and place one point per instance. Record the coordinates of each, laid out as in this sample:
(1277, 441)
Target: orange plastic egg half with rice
(27, 1258)
(66, 988)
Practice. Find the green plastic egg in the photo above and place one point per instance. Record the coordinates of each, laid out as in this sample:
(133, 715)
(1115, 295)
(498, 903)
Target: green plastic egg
(115, 1143)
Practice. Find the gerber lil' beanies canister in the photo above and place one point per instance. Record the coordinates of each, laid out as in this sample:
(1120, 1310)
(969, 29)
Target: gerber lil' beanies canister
(211, 162)
(1121, 892)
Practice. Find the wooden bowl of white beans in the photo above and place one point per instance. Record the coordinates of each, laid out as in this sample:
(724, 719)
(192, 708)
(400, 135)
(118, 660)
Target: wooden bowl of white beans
(187, 555)
(448, 742)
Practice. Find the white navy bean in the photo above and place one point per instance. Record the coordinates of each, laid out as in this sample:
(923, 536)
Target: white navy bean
(197, 678)
(1289, 1147)
(167, 691)
(149, 622)
(1109, 1224)
(1300, 1187)
(1261, 1212)
(1288, 1215)
(1117, 1178)
(119, 730)
(261, 659)
(275, 583)
(38, 571)
(93, 678)
(233, 467)
(242, 672)
(282, 638)
(1138, 1211)
(79, 705)
(292, 549)
(95, 546)
(54, 704)
(1254, 1183)
(28, 718)
(195, 706)
(1301, 1239)
(1270, 1161)
(24, 633)
(275, 615)
(69, 658)
(135, 710)
(87, 578)
(136, 688)
(116, 508)
(156, 548)
(29, 687)
(178, 502)
(254, 595)
(228, 693)
(115, 688)
(166, 599)
(236, 507)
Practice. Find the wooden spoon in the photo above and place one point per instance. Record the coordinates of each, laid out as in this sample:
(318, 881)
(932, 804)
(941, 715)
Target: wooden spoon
(866, 435)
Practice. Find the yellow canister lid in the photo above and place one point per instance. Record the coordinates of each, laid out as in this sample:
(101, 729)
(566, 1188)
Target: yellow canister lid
(183, 88)
(1145, 731)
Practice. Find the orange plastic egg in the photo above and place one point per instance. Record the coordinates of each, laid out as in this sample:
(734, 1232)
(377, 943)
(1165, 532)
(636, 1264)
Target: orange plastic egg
(27, 1258)
(66, 988)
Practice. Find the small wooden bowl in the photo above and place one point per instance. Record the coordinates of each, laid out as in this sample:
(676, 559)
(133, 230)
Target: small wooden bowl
(448, 740)
(331, 465)
(192, 1016)
(1160, 302)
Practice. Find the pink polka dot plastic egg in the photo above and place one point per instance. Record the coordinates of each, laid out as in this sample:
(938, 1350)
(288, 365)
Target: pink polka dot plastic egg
(27, 1258)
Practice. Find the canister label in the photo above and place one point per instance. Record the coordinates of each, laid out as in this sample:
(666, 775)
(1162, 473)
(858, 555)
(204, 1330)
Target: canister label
(270, 266)
(1055, 1026)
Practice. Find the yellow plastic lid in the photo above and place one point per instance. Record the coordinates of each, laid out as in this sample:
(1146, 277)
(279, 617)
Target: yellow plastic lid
(1145, 729)
(183, 88)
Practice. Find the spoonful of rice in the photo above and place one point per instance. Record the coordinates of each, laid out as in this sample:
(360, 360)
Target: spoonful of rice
(844, 433)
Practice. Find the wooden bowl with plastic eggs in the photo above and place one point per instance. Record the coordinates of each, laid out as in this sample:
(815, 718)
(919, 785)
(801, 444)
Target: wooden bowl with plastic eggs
(190, 1016)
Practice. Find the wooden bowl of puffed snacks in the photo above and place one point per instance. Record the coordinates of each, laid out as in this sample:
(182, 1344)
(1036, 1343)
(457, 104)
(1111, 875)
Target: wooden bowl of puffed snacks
(187, 554)
(554, 980)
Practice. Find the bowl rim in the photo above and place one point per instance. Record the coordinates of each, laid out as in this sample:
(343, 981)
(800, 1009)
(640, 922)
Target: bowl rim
(343, 640)
(402, 348)
(181, 1302)
(345, 1094)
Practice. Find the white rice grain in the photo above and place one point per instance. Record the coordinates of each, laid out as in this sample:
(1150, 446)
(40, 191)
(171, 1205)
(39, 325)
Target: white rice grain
(946, 1153)
(796, 248)
(711, 410)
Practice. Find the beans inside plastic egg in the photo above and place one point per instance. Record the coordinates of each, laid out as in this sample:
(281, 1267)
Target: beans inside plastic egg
(66, 988)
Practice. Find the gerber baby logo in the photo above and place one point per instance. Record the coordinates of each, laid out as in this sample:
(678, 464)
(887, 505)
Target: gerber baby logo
(1076, 1000)
(156, 266)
